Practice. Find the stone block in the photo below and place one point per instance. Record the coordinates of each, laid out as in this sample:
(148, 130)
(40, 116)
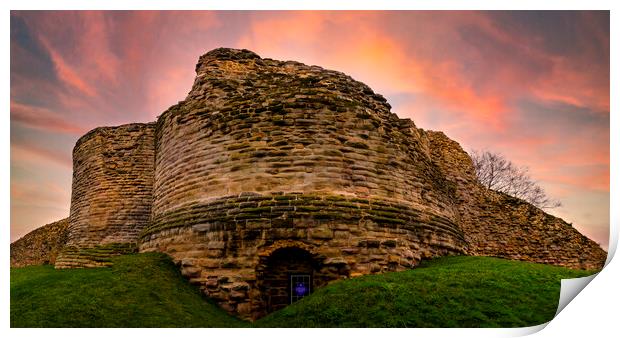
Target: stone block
(322, 233)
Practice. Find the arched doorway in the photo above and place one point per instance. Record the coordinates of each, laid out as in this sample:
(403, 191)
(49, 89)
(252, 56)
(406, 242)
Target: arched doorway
(286, 276)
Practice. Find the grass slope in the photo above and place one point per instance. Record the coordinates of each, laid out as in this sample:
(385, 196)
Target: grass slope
(445, 292)
(146, 290)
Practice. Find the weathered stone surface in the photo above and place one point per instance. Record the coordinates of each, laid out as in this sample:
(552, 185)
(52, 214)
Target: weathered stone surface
(269, 168)
(40, 246)
(496, 224)
(112, 189)
(92, 256)
(264, 154)
(386, 232)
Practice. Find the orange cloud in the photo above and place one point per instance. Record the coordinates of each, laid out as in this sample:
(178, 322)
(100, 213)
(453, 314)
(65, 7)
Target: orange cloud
(366, 51)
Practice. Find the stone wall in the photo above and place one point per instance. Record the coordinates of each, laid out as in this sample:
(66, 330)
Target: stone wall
(111, 195)
(221, 245)
(40, 246)
(499, 225)
(264, 151)
(261, 125)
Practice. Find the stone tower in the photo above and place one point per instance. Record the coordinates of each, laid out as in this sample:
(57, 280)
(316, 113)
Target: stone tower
(273, 178)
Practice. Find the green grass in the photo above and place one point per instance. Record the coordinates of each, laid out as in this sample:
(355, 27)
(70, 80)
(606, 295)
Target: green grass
(141, 290)
(146, 290)
(444, 292)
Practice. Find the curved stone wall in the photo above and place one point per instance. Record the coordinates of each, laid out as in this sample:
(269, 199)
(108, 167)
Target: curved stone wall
(112, 193)
(264, 151)
(252, 124)
(219, 244)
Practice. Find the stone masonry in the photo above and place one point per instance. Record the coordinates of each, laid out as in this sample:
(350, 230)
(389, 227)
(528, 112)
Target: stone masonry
(111, 195)
(40, 246)
(269, 168)
(499, 225)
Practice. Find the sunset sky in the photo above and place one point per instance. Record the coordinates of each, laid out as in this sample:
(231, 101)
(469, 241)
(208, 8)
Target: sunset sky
(531, 85)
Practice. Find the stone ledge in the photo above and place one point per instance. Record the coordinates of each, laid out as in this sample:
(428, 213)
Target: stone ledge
(93, 256)
(288, 209)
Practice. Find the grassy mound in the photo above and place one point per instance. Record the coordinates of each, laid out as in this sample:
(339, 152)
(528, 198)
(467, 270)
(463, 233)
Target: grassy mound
(444, 292)
(142, 290)
(146, 290)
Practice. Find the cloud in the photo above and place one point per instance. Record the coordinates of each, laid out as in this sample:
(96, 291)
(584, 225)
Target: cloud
(40, 191)
(33, 153)
(468, 63)
(67, 74)
(91, 51)
(47, 194)
(357, 44)
(42, 118)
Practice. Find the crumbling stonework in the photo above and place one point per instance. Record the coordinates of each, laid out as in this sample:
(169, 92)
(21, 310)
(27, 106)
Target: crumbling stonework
(40, 246)
(269, 168)
(499, 225)
(111, 195)
(265, 154)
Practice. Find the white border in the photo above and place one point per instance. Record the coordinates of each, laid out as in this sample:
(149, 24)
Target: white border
(593, 313)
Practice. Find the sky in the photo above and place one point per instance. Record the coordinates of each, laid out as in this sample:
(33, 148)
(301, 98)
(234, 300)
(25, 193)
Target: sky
(532, 85)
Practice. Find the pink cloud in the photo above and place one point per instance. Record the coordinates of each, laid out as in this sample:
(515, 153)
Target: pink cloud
(92, 50)
(67, 74)
(42, 118)
(40, 194)
(576, 87)
(37, 155)
(339, 41)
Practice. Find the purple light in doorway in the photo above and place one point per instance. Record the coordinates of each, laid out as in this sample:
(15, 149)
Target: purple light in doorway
(301, 289)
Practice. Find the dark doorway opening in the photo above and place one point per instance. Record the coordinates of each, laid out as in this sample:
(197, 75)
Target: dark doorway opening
(287, 276)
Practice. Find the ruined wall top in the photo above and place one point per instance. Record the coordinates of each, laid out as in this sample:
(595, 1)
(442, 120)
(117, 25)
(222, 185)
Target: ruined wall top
(225, 54)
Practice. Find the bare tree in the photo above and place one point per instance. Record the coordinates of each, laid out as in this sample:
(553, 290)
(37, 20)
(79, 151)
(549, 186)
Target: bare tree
(497, 173)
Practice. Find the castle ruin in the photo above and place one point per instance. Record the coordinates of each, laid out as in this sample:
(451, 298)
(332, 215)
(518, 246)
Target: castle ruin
(272, 179)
